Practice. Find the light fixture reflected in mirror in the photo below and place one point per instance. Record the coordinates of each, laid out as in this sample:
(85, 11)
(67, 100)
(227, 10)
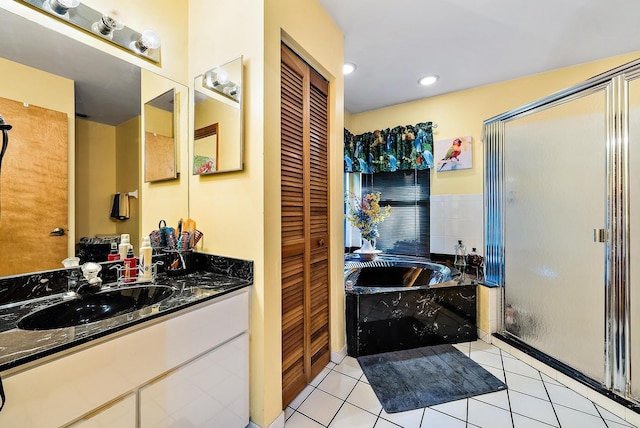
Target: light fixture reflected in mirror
(107, 24)
(149, 39)
(60, 7)
(217, 79)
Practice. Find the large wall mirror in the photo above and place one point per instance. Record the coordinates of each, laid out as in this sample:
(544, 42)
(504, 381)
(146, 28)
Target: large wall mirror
(75, 143)
(217, 119)
(159, 137)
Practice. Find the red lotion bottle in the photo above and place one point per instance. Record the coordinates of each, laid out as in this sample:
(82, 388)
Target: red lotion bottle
(130, 266)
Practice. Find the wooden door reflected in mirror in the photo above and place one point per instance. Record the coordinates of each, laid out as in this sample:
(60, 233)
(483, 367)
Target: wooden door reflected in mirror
(160, 143)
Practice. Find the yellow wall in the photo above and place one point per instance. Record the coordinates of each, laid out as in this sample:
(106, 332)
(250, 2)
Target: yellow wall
(33, 86)
(128, 175)
(463, 112)
(240, 212)
(158, 121)
(95, 178)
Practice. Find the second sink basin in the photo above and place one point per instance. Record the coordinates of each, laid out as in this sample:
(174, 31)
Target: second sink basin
(89, 308)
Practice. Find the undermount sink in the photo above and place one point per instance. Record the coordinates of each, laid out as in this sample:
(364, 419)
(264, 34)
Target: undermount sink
(90, 308)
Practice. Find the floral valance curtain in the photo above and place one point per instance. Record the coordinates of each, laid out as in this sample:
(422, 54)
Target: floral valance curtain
(401, 148)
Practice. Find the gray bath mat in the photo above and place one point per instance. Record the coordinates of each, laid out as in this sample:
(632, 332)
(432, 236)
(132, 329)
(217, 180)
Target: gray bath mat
(423, 377)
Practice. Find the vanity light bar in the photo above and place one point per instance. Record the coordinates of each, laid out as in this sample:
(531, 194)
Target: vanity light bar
(108, 26)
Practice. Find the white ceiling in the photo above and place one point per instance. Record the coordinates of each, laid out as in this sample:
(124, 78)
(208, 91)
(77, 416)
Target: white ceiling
(470, 43)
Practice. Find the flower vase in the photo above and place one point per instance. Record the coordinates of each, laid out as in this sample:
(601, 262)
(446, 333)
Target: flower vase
(368, 250)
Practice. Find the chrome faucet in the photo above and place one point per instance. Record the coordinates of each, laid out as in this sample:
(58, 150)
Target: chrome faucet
(75, 283)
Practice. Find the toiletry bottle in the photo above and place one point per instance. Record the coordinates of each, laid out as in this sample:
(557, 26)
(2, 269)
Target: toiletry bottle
(130, 266)
(113, 255)
(145, 260)
(123, 248)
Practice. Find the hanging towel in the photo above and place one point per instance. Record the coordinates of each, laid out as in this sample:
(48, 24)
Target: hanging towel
(124, 207)
(115, 207)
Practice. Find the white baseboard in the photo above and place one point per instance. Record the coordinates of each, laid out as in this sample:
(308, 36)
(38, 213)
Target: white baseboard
(337, 357)
(277, 423)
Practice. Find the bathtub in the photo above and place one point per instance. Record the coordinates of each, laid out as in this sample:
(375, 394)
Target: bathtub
(402, 302)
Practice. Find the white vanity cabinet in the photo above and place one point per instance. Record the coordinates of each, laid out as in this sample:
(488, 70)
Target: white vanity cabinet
(207, 392)
(164, 369)
(121, 413)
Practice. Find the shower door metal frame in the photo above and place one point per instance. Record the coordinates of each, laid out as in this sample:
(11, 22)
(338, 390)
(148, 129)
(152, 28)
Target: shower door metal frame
(615, 84)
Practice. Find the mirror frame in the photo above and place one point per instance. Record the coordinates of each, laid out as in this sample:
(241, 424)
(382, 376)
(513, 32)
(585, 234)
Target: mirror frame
(172, 159)
(222, 97)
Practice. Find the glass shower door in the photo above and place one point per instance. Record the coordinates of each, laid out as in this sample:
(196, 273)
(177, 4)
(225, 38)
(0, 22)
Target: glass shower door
(634, 234)
(555, 196)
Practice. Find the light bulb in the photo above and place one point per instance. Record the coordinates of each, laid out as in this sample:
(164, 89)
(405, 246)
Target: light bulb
(60, 7)
(207, 80)
(149, 39)
(107, 24)
(223, 77)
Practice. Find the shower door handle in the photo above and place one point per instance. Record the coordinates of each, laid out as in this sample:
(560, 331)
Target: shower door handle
(600, 235)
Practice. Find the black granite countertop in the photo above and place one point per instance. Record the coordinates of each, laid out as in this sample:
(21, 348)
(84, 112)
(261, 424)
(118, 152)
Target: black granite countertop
(18, 347)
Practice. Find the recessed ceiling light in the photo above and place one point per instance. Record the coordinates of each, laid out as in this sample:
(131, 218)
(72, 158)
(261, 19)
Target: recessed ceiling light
(428, 80)
(348, 68)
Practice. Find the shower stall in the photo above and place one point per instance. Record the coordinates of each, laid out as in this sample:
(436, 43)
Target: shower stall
(562, 228)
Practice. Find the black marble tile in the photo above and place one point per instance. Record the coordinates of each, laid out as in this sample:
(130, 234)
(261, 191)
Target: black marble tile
(386, 321)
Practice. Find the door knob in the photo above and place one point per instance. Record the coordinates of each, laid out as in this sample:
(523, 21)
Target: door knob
(58, 231)
(321, 242)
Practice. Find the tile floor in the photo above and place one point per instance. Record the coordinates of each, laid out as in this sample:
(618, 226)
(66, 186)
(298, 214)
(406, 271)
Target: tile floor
(341, 397)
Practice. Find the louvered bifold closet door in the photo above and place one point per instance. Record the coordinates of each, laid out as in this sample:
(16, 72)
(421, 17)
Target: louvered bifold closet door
(304, 195)
(319, 223)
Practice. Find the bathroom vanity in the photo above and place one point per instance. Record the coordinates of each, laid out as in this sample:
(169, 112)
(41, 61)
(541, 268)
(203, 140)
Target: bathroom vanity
(184, 361)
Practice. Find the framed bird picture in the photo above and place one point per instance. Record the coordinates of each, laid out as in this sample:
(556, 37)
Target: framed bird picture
(453, 154)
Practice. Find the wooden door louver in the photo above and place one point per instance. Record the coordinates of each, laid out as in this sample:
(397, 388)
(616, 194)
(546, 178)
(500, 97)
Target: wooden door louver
(305, 225)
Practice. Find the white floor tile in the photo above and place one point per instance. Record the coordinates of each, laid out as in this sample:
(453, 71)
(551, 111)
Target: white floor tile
(353, 417)
(506, 354)
(288, 412)
(498, 399)
(338, 384)
(298, 420)
(410, 419)
(549, 379)
(350, 367)
(526, 385)
(610, 417)
(533, 408)
(519, 367)
(364, 397)
(527, 397)
(457, 409)
(462, 347)
(433, 418)
(295, 403)
(320, 406)
(481, 345)
(499, 373)
(323, 373)
(520, 421)
(383, 423)
(574, 418)
(571, 399)
(485, 358)
(486, 415)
